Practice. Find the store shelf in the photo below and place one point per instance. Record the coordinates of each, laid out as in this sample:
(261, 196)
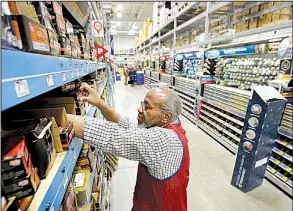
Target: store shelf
(52, 189)
(286, 133)
(28, 76)
(92, 177)
(217, 138)
(279, 182)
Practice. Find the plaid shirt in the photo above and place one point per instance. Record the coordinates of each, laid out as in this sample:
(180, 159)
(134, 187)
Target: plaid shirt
(159, 149)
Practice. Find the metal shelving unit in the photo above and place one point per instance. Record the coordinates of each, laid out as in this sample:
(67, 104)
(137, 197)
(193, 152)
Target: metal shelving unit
(35, 74)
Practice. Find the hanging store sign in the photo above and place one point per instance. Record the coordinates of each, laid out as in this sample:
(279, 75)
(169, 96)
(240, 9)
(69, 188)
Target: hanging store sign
(237, 51)
(112, 44)
(101, 51)
(98, 28)
(190, 56)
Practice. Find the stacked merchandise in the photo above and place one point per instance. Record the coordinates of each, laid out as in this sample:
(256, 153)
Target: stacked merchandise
(244, 71)
(41, 28)
(178, 63)
(169, 65)
(162, 64)
(191, 65)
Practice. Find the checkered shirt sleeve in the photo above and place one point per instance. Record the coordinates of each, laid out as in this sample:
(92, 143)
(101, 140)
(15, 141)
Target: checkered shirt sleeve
(159, 149)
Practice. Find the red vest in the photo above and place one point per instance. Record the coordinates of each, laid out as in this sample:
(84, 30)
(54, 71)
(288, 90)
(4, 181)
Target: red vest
(170, 194)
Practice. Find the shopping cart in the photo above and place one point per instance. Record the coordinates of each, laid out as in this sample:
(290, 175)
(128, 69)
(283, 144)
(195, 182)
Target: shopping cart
(159, 85)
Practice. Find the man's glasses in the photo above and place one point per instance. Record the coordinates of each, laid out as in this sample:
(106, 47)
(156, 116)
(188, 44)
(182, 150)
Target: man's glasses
(146, 107)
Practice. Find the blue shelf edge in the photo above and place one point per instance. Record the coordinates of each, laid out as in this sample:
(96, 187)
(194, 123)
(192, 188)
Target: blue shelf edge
(58, 187)
(34, 69)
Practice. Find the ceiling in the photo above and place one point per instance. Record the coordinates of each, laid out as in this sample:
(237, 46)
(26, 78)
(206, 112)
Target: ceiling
(133, 16)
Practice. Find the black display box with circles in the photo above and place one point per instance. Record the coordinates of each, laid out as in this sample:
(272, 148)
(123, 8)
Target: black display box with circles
(263, 116)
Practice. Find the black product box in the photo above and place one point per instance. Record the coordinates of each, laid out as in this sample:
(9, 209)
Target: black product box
(11, 38)
(23, 187)
(263, 116)
(69, 30)
(19, 183)
(34, 35)
(38, 140)
(47, 24)
(16, 159)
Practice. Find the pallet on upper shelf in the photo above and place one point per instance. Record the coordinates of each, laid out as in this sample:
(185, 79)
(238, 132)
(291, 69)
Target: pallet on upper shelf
(27, 75)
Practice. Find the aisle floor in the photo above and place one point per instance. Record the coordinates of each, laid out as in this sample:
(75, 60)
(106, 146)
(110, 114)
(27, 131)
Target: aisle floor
(211, 168)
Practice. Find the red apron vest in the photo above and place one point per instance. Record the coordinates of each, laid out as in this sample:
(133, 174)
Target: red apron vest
(170, 194)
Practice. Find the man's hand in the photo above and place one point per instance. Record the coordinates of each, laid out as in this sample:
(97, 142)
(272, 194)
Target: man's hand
(89, 95)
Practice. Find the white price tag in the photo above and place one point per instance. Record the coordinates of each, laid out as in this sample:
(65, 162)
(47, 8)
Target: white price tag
(72, 74)
(50, 80)
(74, 158)
(63, 76)
(21, 88)
(65, 180)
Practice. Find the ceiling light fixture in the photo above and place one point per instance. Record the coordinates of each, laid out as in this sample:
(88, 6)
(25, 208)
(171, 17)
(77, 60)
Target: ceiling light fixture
(119, 15)
(118, 23)
(119, 7)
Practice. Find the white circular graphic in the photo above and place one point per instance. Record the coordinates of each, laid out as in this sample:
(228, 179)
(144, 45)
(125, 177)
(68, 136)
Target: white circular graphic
(253, 122)
(250, 134)
(256, 109)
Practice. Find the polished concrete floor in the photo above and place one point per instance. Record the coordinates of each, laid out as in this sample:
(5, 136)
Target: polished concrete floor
(210, 172)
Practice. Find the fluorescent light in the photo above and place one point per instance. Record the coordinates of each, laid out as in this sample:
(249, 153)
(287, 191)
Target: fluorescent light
(113, 26)
(119, 7)
(134, 27)
(119, 15)
(118, 23)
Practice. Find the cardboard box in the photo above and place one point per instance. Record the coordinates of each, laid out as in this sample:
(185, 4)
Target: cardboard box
(19, 8)
(67, 102)
(242, 26)
(253, 23)
(69, 200)
(34, 35)
(59, 23)
(263, 116)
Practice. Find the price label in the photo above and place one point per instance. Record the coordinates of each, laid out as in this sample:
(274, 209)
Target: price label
(65, 180)
(288, 157)
(50, 80)
(74, 157)
(72, 74)
(21, 88)
(63, 76)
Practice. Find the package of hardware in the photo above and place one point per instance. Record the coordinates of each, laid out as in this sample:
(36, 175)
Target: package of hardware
(81, 187)
(54, 7)
(34, 35)
(66, 133)
(69, 200)
(69, 30)
(54, 44)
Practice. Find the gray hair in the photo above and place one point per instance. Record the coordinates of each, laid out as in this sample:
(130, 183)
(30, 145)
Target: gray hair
(172, 103)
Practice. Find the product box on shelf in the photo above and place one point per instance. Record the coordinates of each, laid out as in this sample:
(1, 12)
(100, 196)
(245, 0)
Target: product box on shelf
(38, 139)
(81, 187)
(11, 37)
(95, 203)
(69, 30)
(18, 185)
(58, 118)
(69, 200)
(54, 44)
(19, 8)
(33, 13)
(263, 116)
(34, 35)
(54, 7)
(66, 47)
(59, 23)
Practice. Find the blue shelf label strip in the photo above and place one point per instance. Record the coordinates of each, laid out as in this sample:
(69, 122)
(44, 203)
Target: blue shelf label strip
(237, 51)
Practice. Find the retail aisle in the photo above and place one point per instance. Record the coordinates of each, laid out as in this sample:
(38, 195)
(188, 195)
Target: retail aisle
(210, 173)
